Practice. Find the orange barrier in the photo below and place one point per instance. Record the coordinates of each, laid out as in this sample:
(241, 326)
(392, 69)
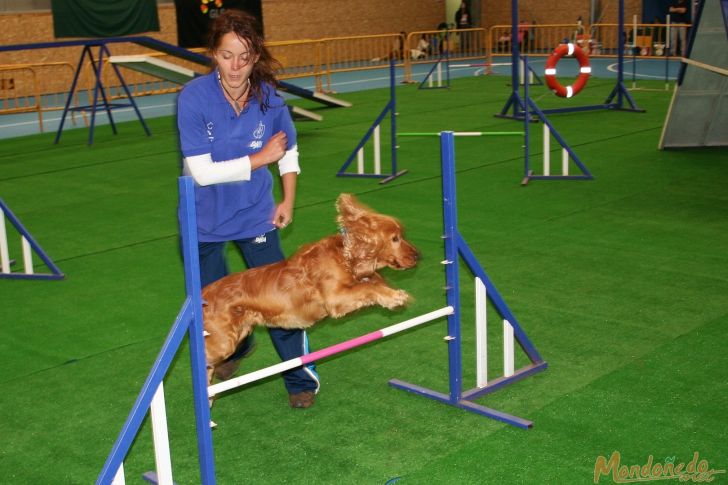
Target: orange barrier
(458, 44)
(596, 40)
(21, 89)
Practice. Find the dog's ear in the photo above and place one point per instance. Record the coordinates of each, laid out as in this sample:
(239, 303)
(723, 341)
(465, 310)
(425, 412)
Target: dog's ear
(360, 245)
(349, 209)
(361, 256)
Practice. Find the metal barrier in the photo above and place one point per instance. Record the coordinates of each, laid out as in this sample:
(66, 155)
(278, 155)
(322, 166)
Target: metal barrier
(428, 46)
(22, 89)
(357, 53)
(300, 59)
(596, 40)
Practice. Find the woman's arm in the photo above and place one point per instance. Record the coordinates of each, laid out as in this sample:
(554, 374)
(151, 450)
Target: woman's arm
(284, 211)
(207, 172)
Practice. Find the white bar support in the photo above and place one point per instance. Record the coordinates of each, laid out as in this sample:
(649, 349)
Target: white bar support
(521, 72)
(564, 161)
(360, 160)
(4, 256)
(508, 355)
(27, 256)
(546, 149)
(377, 152)
(160, 436)
(119, 477)
(481, 334)
(439, 74)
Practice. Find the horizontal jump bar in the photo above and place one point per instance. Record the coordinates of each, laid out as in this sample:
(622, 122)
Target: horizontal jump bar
(326, 352)
(468, 133)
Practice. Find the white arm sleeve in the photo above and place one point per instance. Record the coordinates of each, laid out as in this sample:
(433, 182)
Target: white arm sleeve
(289, 162)
(206, 172)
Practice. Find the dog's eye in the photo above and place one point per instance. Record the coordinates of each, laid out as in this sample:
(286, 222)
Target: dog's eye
(395, 239)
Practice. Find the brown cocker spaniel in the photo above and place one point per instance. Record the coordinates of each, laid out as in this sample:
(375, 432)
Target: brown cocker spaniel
(329, 278)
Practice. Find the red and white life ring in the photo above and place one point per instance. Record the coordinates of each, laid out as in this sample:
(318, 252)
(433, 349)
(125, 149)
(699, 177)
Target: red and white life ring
(550, 72)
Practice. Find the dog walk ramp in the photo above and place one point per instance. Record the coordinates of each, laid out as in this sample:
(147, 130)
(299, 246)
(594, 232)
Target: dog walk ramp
(155, 67)
(317, 96)
(298, 112)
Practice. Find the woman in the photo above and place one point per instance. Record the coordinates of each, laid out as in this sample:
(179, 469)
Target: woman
(232, 124)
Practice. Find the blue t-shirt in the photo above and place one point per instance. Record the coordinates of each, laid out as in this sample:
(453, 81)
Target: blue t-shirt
(208, 124)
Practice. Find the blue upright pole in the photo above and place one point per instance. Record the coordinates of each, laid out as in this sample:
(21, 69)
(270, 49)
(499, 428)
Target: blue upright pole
(449, 206)
(526, 126)
(392, 116)
(190, 250)
(620, 51)
(515, 54)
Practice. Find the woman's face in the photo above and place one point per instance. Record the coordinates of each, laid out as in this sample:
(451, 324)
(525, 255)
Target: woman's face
(234, 59)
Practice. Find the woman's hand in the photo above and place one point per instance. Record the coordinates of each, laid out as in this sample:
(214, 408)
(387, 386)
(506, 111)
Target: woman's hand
(283, 215)
(272, 151)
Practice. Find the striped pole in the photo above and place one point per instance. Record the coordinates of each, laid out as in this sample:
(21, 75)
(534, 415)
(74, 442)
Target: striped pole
(466, 133)
(326, 352)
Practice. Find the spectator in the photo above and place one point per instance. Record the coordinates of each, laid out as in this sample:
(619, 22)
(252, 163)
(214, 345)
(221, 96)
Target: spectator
(679, 14)
(463, 21)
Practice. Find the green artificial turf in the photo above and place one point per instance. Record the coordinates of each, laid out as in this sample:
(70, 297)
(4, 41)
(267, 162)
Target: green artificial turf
(620, 282)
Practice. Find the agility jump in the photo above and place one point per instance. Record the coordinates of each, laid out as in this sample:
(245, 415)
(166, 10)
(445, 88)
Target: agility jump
(28, 245)
(189, 321)
(433, 79)
(373, 131)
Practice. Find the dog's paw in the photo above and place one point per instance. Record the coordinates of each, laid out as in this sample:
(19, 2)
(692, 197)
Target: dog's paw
(398, 298)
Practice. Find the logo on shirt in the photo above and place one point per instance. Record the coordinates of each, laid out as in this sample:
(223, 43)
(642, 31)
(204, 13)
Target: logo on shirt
(210, 136)
(258, 134)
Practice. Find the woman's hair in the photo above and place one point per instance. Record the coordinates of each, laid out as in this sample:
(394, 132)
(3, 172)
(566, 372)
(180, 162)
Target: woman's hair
(248, 29)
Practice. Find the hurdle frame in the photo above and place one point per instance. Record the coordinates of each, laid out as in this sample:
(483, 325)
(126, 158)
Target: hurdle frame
(28, 244)
(373, 131)
(189, 321)
(456, 248)
(548, 131)
(619, 91)
(437, 67)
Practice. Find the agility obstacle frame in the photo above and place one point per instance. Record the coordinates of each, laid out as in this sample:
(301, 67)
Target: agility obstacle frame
(456, 248)
(620, 92)
(374, 133)
(520, 106)
(29, 245)
(549, 131)
(436, 72)
(189, 321)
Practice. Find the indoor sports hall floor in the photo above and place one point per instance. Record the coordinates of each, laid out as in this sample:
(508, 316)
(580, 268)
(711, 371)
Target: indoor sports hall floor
(620, 282)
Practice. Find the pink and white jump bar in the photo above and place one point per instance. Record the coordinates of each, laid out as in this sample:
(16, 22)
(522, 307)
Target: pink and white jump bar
(326, 352)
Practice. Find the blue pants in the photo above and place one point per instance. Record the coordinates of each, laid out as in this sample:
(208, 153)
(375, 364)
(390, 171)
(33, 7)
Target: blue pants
(259, 251)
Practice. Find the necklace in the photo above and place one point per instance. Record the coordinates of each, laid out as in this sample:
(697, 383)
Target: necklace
(238, 108)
